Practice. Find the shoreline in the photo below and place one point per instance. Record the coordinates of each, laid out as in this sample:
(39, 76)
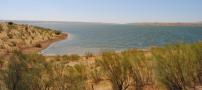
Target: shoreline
(44, 44)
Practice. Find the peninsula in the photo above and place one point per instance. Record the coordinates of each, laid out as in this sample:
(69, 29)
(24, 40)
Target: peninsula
(26, 38)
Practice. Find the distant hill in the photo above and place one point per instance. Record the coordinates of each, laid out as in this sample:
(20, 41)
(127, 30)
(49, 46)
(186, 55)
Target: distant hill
(169, 24)
(200, 22)
(18, 36)
(60, 22)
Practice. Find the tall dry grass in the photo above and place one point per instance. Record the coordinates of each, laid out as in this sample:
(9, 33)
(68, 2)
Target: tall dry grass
(178, 66)
(129, 69)
(33, 72)
(175, 67)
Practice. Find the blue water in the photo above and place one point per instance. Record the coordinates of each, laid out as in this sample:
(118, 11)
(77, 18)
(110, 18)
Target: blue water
(96, 38)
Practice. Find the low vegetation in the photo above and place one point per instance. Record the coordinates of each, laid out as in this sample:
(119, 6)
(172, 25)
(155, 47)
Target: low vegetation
(179, 66)
(170, 67)
(173, 67)
(116, 70)
(33, 72)
(16, 36)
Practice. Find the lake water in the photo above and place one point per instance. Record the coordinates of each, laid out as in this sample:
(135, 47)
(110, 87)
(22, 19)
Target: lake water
(96, 38)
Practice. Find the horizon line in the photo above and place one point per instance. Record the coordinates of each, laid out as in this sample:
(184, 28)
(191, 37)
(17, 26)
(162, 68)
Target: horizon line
(143, 22)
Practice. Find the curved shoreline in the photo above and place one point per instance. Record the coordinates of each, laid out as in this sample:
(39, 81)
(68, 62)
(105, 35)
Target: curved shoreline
(44, 44)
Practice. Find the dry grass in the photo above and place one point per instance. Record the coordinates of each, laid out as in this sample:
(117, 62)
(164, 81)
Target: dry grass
(172, 67)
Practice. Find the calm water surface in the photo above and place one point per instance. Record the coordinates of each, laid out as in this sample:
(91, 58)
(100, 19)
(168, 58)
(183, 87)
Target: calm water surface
(96, 38)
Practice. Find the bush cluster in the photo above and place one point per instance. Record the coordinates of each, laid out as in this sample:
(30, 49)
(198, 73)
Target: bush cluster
(171, 67)
(33, 72)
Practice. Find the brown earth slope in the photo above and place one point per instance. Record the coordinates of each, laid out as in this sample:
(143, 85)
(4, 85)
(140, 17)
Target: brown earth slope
(26, 38)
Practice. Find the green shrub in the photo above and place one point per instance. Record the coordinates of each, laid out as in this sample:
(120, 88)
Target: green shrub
(178, 65)
(116, 70)
(33, 72)
(95, 75)
(140, 67)
(74, 57)
(24, 72)
(62, 77)
(10, 23)
(66, 58)
(1, 29)
(58, 32)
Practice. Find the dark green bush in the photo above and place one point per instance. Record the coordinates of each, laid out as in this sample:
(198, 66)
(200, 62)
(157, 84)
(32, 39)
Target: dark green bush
(10, 23)
(57, 32)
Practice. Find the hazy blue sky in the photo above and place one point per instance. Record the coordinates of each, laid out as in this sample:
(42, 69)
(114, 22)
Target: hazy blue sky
(118, 11)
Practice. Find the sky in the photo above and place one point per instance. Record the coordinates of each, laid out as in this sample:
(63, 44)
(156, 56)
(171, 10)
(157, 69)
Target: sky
(108, 11)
